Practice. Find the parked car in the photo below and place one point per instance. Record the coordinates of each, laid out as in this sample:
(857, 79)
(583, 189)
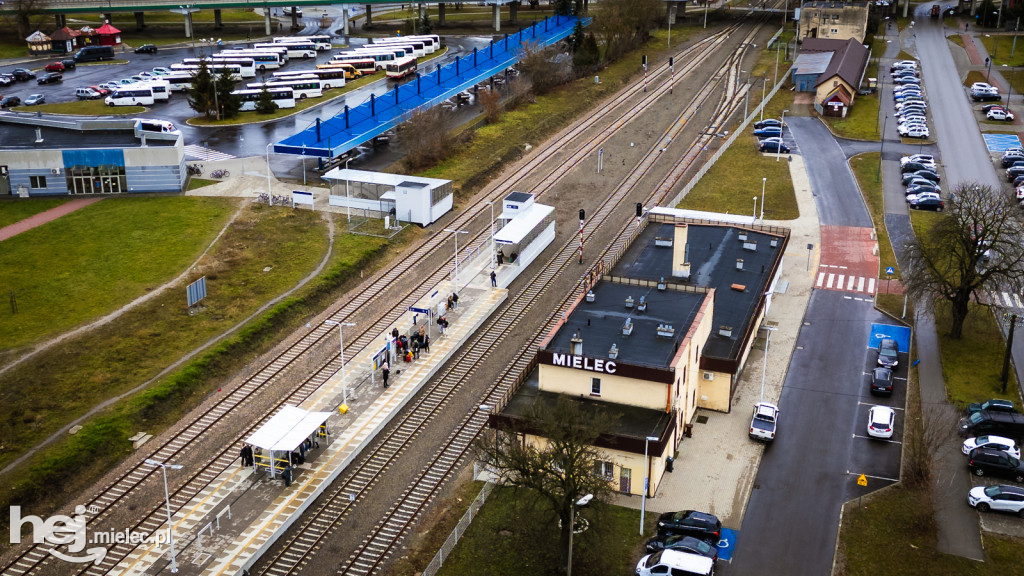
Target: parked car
(34, 99)
(981, 86)
(764, 421)
(1001, 497)
(881, 422)
(989, 107)
(923, 189)
(54, 67)
(1000, 443)
(675, 562)
(770, 122)
(50, 78)
(915, 132)
(919, 184)
(1009, 159)
(1006, 424)
(9, 101)
(985, 461)
(683, 544)
(86, 93)
(6, 79)
(906, 80)
(700, 525)
(992, 405)
(1014, 171)
(999, 114)
(69, 64)
(881, 381)
(768, 131)
(928, 204)
(23, 74)
(912, 167)
(773, 145)
(161, 71)
(921, 196)
(986, 96)
(146, 49)
(912, 119)
(102, 91)
(926, 174)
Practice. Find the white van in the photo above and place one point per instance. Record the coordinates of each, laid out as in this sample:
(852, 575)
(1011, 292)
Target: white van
(87, 94)
(675, 563)
(157, 129)
(161, 89)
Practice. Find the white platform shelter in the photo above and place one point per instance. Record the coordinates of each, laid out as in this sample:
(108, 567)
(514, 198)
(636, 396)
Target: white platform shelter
(413, 199)
(526, 228)
(283, 434)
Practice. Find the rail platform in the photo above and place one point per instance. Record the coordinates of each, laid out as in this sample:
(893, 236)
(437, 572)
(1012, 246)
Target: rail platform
(355, 126)
(226, 527)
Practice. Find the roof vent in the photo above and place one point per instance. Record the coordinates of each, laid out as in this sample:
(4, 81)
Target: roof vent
(627, 327)
(661, 284)
(751, 246)
(662, 241)
(642, 306)
(725, 331)
(590, 296)
(739, 263)
(576, 345)
(774, 242)
(629, 301)
(739, 287)
(666, 331)
(613, 353)
(743, 236)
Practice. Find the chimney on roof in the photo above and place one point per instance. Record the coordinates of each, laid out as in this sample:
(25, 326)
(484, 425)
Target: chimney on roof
(576, 345)
(681, 252)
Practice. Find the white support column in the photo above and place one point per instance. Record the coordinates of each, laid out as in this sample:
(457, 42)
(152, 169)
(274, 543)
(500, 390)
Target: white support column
(266, 21)
(344, 14)
(497, 18)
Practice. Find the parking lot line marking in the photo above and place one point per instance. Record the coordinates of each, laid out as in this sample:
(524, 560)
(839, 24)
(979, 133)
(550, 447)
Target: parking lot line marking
(878, 440)
(821, 278)
(848, 473)
(860, 285)
(871, 285)
(831, 278)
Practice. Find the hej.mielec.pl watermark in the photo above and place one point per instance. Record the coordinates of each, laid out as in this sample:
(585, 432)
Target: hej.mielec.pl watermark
(60, 530)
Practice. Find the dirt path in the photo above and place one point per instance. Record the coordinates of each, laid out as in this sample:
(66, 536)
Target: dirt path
(44, 217)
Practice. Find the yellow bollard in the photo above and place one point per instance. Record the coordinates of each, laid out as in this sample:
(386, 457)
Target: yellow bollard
(343, 408)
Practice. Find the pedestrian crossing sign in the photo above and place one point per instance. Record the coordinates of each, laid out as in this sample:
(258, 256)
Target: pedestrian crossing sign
(862, 480)
(890, 270)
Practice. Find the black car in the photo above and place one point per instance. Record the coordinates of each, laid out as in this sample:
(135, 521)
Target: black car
(920, 188)
(993, 405)
(146, 49)
(985, 97)
(50, 78)
(881, 381)
(23, 74)
(69, 64)
(700, 525)
(1009, 159)
(773, 146)
(683, 544)
(9, 101)
(984, 461)
(926, 174)
(769, 123)
(928, 204)
(1014, 171)
(913, 167)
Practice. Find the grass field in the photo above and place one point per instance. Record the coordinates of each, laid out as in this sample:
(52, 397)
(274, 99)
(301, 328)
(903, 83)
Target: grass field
(972, 365)
(17, 210)
(82, 108)
(1002, 50)
(894, 533)
(865, 169)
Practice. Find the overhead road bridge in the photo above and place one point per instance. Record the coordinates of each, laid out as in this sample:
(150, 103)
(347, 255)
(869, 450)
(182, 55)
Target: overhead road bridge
(355, 126)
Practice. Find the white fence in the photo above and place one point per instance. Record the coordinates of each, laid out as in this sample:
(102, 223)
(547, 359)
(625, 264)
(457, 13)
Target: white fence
(460, 529)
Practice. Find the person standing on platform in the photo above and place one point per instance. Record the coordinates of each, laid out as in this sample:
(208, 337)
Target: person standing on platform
(494, 279)
(455, 300)
(426, 343)
(286, 475)
(385, 371)
(416, 349)
(501, 257)
(247, 459)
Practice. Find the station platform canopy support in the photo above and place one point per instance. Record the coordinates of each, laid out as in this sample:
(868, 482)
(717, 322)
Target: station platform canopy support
(355, 126)
(283, 434)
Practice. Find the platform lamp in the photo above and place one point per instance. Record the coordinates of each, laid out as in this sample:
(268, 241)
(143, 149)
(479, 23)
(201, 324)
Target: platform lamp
(456, 233)
(572, 525)
(764, 183)
(643, 503)
(782, 128)
(341, 351)
(167, 498)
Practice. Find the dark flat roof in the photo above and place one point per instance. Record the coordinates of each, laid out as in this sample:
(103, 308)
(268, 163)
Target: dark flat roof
(713, 251)
(23, 137)
(600, 323)
(517, 197)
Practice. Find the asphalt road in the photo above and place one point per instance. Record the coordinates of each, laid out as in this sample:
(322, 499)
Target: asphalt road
(830, 175)
(789, 528)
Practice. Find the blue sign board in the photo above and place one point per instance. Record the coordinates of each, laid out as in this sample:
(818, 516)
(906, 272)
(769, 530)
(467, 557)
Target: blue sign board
(196, 291)
(419, 310)
(901, 334)
(890, 270)
(727, 544)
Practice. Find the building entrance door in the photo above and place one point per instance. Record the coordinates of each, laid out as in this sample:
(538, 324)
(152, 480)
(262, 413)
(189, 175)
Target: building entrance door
(625, 480)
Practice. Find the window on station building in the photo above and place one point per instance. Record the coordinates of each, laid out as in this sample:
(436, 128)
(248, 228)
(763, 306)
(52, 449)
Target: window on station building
(595, 386)
(605, 469)
(37, 181)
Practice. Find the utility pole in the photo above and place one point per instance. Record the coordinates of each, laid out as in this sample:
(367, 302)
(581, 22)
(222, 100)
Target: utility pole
(1004, 377)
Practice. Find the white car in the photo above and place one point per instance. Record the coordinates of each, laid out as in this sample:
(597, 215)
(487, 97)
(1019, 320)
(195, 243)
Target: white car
(922, 158)
(1000, 497)
(921, 196)
(1020, 192)
(881, 420)
(912, 119)
(161, 71)
(906, 128)
(994, 442)
(981, 86)
(764, 421)
(915, 132)
(997, 114)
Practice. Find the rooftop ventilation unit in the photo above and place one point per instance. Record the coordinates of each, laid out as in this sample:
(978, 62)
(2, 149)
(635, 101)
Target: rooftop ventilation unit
(666, 331)
(750, 246)
(661, 284)
(627, 327)
(629, 302)
(743, 236)
(642, 306)
(613, 353)
(739, 263)
(725, 331)
(774, 242)
(576, 345)
(590, 296)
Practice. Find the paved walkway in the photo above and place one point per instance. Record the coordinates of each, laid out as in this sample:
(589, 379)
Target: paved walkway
(44, 217)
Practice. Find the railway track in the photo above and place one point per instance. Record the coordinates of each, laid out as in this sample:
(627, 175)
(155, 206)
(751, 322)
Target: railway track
(309, 538)
(115, 493)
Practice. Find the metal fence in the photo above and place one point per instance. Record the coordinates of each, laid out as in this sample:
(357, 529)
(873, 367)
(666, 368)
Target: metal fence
(460, 529)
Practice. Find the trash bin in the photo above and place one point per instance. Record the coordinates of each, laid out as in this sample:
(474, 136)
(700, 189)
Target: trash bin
(668, 463)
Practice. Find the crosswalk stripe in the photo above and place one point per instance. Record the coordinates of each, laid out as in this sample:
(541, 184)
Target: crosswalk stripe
(1016, 300)
(1006, 298)
(871, 285)
(821, 278)
(831, 277)
(860, 285)
(849, 285)
(205, 154)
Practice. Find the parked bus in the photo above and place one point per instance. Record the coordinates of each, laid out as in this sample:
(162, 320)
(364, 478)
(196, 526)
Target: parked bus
(402, 67)
(362, 66)
(322, 42)
(295, 49)
(415, 48)
(215, 69)
(308, 87)
(283, 97)
(179, 80)
(262, 60)
(161, 89)
(246, 65)
(381, 58)
(392, 49)
(280, 50)
(131, 95)
(328, 77)
(432, 42)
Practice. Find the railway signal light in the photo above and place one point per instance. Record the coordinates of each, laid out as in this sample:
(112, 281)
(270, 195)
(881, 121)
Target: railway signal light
(583, 215)
(639, 209)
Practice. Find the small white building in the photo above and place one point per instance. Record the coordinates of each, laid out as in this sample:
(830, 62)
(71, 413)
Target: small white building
(408, 198)
(525, 229)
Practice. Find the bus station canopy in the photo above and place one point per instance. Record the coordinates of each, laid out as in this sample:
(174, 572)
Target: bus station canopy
(287, 429)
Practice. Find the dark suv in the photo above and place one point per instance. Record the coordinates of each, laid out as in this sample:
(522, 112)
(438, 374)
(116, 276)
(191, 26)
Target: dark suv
(23, 74)
(994, 404)
(701, 525)
(881, 381)
(996, 463)
(1006, 424)
(888, 353)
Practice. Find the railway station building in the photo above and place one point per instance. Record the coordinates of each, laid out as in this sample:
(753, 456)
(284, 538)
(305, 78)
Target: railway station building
(409, 198)
(663, 334)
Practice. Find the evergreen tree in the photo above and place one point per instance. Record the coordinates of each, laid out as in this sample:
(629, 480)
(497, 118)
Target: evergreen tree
(265, 104)
(576, 40)
(563, 7)
(588, 56)
(200, 94)
(229, 103)
(425, 25)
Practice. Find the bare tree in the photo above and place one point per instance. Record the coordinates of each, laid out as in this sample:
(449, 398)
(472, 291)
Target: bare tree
(490, 101)
(427, 137)
(26, 17)
(925, 434)
(976, 247)
(544, 68)
(626, 24)
(560, 470)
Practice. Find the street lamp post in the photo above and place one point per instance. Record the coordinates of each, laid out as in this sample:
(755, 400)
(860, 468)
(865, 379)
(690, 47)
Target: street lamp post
(643, 503)
(764, 182)
(341, 351)
(764, 93)
(269, 191)
(494, 252)
(881, 150)
(755, 207)
(572, 525)
(348, 200)
(167, 498)
(778, 149)
(706, 2)
(764, 365)
(456, 233)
